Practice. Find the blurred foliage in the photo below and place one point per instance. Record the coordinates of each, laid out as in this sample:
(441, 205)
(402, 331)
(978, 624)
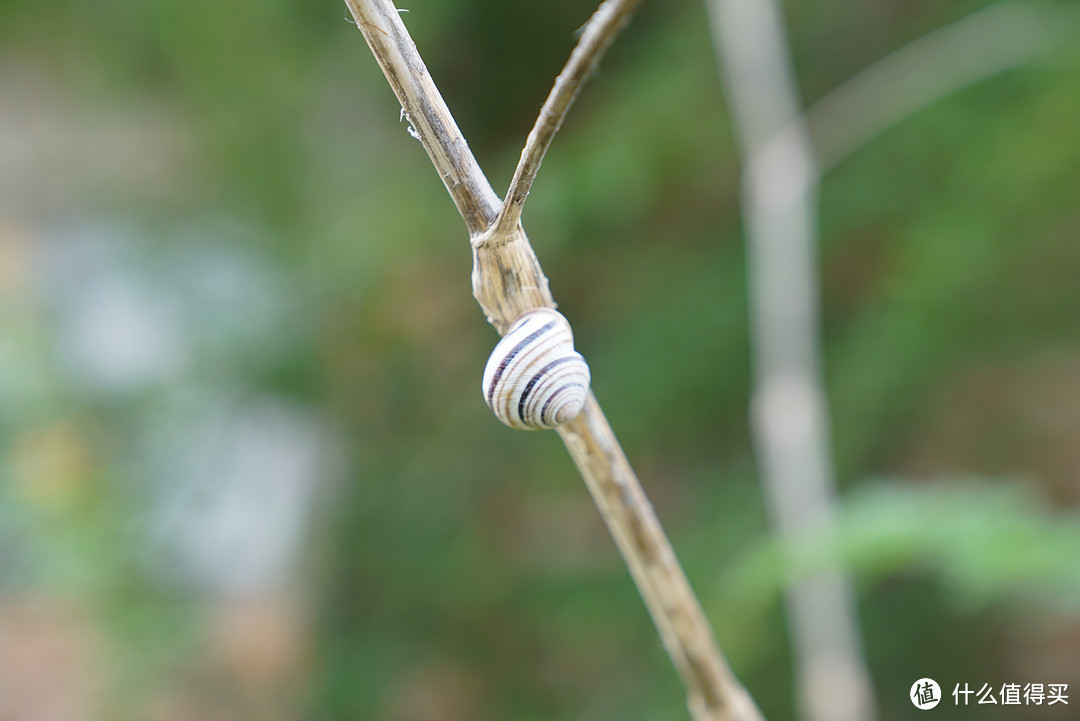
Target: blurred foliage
(989, 541)
(459, 564)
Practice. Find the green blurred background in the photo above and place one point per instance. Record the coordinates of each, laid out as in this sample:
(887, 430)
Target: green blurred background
(247, 472)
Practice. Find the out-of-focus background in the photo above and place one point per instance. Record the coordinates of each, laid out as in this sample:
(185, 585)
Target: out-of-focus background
(245, 467)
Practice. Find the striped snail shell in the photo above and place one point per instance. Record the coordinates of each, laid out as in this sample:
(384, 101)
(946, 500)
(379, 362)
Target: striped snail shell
(534, 378)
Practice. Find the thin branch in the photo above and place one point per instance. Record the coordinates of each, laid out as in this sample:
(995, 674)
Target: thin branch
(945, 60)
(508, 280)
(426, 111)
(596, 37)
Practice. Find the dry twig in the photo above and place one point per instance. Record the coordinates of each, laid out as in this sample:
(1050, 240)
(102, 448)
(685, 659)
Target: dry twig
(596, 38)
(507, 281)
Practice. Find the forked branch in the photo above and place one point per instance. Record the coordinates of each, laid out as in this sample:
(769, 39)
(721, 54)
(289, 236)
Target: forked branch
(507, 281)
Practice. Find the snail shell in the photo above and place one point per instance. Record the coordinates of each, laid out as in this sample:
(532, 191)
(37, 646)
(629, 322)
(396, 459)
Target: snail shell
(534, 378)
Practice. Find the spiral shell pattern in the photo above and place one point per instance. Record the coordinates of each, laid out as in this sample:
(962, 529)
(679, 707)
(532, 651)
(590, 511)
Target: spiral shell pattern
(534, 378)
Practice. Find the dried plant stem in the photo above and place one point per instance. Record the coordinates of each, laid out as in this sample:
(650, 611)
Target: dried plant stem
(396, 54)
(596, 38)
(508, 280)
(713, 692)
